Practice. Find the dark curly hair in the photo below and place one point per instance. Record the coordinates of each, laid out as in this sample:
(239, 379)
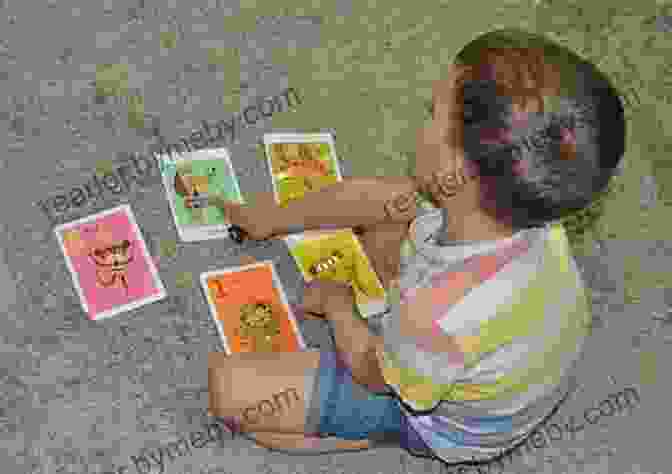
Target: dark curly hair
(543, 129)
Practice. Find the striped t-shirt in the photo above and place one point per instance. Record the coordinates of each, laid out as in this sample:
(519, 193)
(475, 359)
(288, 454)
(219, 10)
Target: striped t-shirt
(477, 376)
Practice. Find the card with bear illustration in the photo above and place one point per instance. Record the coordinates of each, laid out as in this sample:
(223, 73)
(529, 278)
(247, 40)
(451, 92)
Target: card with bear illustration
(111, 268)
(192, 181)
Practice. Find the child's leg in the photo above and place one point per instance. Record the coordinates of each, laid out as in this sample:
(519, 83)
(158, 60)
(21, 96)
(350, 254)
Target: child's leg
(262, 392)
(272, 439)
(325, 402)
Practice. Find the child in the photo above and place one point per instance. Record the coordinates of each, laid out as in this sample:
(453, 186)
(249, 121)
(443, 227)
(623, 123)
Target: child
(488, 312)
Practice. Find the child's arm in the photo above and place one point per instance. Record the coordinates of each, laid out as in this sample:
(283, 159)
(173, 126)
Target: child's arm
(355, 344)
(353, 202)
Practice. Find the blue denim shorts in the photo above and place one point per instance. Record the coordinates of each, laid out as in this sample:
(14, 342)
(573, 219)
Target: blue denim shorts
(342, 408)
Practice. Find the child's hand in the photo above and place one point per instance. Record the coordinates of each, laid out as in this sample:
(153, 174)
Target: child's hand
(322, 297)
(440, 163)
(256, 221)
(195, 202)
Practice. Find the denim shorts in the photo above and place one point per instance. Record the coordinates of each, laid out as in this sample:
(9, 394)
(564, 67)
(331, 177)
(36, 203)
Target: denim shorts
(342, 408)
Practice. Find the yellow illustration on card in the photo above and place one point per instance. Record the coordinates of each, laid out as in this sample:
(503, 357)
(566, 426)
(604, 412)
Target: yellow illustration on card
(338, 256)
(299, 168)
(73, 243)
(72, 236)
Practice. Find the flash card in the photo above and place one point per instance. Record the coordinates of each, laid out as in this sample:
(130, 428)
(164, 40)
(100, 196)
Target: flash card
(107, 257)
(251, 310)
(192, 181)
(300, 163)
(339, 256)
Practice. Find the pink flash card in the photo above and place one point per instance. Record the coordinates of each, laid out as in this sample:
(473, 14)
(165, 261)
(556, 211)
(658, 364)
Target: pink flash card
(110, 266)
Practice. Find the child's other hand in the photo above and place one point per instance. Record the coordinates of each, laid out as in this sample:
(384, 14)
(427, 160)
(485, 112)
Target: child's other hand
(321, 297)
(195, 202)
(256, 221)
(440, 162)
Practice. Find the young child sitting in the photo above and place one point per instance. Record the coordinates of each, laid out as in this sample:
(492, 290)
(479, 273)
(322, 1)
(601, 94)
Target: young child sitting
(488, 310)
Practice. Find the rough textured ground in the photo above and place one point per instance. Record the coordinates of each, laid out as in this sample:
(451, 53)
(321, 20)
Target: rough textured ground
(82, 397)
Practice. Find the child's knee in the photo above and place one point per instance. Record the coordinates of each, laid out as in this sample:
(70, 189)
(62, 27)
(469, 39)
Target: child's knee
(223, 401)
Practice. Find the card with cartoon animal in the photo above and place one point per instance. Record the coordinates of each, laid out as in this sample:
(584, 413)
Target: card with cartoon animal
(110, 265)
(300, 163)
(251, 310)
(192, 181)
(339, 256)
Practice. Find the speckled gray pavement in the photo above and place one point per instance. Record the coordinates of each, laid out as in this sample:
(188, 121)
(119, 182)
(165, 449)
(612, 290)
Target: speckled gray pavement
(88, 397)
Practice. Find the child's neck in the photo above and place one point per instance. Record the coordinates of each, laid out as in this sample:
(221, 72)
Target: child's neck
(474, 226)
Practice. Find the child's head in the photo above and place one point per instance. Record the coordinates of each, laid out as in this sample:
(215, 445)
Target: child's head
(542, 129)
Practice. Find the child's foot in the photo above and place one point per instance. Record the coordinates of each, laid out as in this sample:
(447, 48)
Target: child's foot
(247, 260)
(300, 442)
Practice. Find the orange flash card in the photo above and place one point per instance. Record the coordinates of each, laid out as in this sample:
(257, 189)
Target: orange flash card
(251, 310)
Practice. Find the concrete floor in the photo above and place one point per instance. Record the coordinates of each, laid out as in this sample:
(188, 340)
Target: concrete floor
(85, 397)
